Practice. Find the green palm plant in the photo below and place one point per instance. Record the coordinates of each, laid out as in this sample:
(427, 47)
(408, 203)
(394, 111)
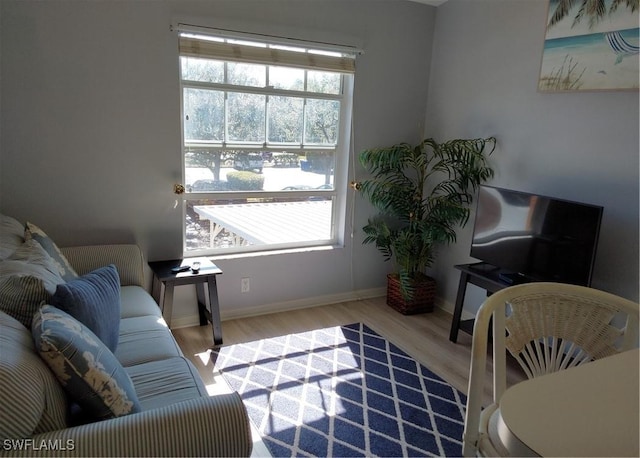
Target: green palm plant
(423, 194)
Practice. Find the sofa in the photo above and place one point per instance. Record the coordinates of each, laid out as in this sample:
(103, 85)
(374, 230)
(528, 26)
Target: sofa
(68, 388)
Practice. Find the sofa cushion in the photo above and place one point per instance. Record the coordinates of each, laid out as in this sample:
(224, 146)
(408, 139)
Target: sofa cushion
(87, 370)
(144, 339)
(165, 382)
(27, 278)
(31, 231)
(136, 301)
(11, 235)
(32, 399)
(94, 300)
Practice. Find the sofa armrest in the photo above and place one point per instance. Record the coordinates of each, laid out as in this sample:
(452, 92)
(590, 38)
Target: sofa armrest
(128, 259)
(208, 426)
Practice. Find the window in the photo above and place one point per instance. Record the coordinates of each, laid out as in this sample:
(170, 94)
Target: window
(265, 143)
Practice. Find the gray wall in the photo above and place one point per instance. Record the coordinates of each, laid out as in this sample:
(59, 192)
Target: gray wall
(577, 146)
(90, 132)
(90, 144)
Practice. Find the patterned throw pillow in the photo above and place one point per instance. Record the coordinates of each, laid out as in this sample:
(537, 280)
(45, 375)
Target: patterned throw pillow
(89, 373)
(31, 231)
(27, 278)
(94, 300)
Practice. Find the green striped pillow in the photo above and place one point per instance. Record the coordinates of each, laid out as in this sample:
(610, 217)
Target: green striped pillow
(27, 278)
(11, 235)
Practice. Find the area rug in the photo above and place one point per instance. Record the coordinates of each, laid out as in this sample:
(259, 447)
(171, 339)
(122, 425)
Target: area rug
(343, 391)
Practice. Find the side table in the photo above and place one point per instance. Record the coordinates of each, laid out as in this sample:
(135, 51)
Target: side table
(164, 277)
(479, 274)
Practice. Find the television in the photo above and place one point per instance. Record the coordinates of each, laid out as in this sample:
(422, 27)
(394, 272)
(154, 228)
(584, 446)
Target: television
(530, 237)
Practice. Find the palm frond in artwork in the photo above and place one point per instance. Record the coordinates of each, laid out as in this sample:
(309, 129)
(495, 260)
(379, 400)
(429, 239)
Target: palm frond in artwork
(633, 5)
(562, 9)
(594, 10)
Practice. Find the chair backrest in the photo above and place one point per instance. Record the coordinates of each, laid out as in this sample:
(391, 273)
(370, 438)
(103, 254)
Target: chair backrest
(546, 327)
(551, 327)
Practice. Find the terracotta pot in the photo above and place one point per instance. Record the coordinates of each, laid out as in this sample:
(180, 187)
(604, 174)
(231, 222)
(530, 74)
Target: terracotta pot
(423, 298)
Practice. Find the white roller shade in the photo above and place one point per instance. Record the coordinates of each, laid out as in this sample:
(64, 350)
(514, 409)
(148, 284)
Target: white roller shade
(196, 44)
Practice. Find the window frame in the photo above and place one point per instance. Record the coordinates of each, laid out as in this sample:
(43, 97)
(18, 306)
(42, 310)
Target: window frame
(341, 154)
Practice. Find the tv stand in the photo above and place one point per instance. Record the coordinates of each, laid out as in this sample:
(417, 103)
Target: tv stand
(483, 267)
(487, 277)
(512, 278)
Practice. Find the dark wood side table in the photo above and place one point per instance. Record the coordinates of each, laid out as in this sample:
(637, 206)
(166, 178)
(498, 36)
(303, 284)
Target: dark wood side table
(164, 277)
(480, 274)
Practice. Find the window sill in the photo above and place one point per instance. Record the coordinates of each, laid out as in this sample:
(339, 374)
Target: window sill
(255, 254)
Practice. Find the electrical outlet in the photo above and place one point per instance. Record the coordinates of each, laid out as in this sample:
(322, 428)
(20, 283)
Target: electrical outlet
(245, 286)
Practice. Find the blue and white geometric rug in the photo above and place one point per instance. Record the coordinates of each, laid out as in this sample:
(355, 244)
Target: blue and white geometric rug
(343, 391)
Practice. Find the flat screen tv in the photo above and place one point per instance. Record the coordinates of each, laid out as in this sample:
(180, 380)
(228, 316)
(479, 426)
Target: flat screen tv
(530, 237)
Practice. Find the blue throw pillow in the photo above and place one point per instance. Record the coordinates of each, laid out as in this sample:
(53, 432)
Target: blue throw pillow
(90, 374)
(94, 300)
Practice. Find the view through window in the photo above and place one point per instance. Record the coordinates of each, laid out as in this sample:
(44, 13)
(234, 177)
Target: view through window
(263, 143)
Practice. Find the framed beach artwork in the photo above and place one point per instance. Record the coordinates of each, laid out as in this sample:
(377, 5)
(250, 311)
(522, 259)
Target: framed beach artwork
(591, 45)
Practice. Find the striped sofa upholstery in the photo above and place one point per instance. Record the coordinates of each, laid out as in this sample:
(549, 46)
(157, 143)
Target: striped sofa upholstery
(178, 417)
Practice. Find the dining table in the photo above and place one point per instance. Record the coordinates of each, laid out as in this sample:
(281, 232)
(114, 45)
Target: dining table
(589, 410)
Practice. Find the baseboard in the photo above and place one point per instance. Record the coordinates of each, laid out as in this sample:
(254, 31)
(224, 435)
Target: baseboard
(193, 320)
(449, 308)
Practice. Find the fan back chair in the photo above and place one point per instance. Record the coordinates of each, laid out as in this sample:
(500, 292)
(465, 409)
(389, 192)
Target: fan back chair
(546, 327)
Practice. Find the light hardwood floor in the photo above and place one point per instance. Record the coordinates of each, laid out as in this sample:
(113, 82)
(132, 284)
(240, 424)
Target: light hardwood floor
(425, 337)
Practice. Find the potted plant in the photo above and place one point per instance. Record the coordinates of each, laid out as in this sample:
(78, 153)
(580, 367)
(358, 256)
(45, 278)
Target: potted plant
(423, 193)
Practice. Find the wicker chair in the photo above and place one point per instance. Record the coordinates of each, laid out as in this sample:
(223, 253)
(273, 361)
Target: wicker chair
(549, 327)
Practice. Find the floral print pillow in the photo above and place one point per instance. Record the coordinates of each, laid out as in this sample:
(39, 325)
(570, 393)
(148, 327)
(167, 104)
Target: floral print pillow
(87, 370)
(33, 232)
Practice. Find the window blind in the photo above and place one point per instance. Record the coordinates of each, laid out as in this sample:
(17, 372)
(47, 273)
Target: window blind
(196, 45)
